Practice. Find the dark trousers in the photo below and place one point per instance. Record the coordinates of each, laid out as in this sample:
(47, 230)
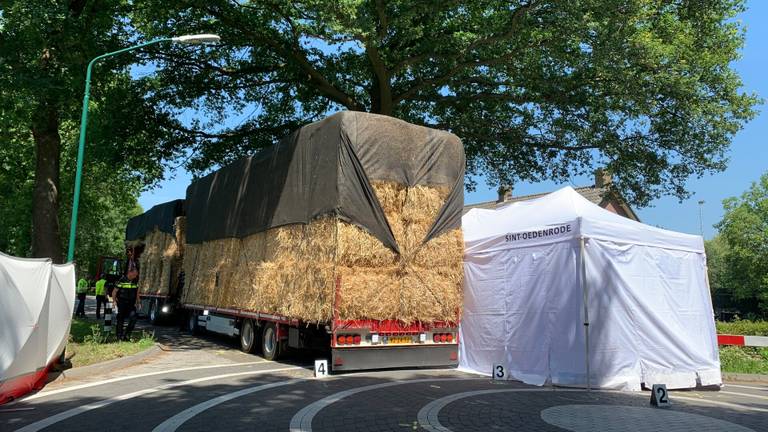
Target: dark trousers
(80, 305)
(125, 309)
(100, 300)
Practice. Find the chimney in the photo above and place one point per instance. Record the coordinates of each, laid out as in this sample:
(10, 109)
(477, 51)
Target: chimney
(602, 178)
(505, 194)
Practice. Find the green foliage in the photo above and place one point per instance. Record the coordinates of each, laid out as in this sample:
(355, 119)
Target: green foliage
(80, 329)
(715, 250)
(107, 201)
(743, 327)
(16, 184)
(747, 360)
(97, 336)
(537, 89)
(44, 50)
(744, 229)
(88, 344)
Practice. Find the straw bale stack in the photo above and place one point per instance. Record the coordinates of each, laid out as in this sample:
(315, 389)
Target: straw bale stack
(291, 270)
(161, 261)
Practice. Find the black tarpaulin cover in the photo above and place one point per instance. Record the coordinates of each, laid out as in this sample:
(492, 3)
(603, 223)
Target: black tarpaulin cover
(161, 216)
(326, 168)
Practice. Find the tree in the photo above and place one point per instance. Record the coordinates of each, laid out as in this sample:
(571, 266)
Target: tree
(108, 200)
(537, 89)
(716, 248)
(745, 230)
(44, 50)
(16, 186)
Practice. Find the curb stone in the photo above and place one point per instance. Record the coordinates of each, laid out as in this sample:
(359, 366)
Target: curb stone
(97, 368)
(741, 377)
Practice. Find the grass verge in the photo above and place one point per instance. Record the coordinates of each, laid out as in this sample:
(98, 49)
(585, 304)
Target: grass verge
(749, 360)
(88, 344)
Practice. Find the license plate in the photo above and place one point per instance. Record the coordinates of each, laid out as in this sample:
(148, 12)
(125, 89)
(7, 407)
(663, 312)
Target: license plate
(400, 339)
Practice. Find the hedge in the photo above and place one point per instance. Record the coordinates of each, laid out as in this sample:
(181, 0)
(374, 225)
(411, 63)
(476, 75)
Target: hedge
(743, 327)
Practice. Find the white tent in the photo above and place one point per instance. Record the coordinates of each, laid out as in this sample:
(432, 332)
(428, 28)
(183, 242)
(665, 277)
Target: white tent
(536, 271)
(36, 305)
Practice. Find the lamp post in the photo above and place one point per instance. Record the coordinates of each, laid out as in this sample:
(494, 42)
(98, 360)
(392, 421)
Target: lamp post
(189, 39)
(701, 219)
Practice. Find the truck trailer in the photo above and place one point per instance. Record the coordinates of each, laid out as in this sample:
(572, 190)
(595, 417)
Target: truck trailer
(343, 236)
(154, 242)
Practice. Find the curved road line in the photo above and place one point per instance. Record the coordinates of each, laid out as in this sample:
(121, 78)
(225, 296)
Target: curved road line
(427, 416)
(39, 425)
(129, 377)
(176, 421)
(302, 421)
(744, 394)
(725, 404)
(746, 387)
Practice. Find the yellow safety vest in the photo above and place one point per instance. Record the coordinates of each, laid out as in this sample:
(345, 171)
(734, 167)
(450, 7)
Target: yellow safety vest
(101, 287)
(82, 286)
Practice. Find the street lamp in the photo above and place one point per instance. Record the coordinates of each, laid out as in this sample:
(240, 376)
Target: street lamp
(187, 39)
(701, 220)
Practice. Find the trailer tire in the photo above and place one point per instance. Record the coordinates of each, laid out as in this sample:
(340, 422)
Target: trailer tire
(248, 337)
(192, 326)
(270, 344)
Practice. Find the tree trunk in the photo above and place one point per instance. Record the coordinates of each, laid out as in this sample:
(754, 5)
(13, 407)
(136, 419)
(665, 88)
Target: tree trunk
(381, 96)
(45, 207)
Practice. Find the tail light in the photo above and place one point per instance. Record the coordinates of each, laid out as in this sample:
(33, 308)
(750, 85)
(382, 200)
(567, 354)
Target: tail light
(442, 337)
(348, 339)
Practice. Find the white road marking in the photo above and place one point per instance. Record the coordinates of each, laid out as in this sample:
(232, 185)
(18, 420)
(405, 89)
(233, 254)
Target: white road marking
(179, 419)
(129, 377)
(428, 415)
(747, 387)
(39, 425)
(176, 421)
(302, 420)
(725, 404)
(744, 394)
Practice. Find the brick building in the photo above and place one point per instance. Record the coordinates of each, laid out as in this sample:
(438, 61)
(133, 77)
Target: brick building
(600, 193)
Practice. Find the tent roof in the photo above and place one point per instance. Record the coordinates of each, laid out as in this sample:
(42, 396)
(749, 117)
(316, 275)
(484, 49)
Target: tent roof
(562, 206)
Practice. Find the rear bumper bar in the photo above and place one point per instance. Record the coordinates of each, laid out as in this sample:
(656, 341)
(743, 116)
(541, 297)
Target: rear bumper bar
(347, 359)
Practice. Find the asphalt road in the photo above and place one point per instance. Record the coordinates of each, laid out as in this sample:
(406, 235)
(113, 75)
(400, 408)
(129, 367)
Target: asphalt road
(206, 384)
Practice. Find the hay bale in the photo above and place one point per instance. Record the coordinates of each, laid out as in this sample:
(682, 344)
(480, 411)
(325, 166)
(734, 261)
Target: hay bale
(291, 270)
(423, 282)
(160, 262)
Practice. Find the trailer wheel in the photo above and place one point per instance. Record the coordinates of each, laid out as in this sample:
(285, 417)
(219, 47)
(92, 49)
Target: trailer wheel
(192, 323)
(247, 336)
(270, 345)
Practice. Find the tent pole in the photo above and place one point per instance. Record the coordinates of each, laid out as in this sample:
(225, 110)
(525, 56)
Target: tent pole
(583, 272)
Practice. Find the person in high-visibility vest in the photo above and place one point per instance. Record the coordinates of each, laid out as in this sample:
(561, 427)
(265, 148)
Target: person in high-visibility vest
(126, 294)
(101, 295)
(82, 290)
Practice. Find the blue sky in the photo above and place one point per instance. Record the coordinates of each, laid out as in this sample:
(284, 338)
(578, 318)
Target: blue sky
(748, 154)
